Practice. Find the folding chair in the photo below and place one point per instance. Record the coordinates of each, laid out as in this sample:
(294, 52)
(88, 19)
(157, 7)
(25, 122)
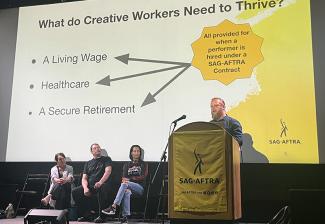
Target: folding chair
(34, 189)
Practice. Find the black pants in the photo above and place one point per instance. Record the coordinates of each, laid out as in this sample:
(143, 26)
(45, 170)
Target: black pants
(62, 194)
(99, 199)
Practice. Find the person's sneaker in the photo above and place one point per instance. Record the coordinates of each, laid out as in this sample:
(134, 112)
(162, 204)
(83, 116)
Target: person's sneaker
(84, 219)
(109, 211)
(98, 220)
(124, 219)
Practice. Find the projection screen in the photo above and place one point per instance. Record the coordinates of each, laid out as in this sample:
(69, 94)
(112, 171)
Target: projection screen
(118, 73)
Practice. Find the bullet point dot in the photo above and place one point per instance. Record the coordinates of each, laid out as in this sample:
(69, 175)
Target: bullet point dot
(30, 113)
(31, 86)
(33, 61)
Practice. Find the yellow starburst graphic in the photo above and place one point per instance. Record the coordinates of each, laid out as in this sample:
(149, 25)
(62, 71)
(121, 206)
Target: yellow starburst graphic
(227, 52)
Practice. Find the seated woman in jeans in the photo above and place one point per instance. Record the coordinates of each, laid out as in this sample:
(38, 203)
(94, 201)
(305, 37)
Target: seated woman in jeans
(59, 194)
(133, 182)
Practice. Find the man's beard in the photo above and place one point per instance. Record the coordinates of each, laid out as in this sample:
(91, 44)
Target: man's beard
(214, 116)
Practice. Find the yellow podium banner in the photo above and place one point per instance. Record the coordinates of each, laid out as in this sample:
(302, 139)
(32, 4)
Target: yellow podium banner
(200, 172)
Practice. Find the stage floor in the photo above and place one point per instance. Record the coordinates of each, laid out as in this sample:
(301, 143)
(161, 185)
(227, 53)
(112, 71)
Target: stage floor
(20, 220)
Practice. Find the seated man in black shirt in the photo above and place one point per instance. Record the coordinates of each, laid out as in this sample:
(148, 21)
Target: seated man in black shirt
(95, 182)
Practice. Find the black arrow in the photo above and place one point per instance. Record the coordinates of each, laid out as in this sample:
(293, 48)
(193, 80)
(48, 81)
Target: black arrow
(150, 98)
(126, 58)
(107, 80)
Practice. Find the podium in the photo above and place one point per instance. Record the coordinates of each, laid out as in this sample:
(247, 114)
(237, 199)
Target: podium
(204, 173)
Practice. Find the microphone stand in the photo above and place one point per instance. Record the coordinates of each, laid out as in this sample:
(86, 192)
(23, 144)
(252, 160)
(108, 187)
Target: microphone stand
(163, 158)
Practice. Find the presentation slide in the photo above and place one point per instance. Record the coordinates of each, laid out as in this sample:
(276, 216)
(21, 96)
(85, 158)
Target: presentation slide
(119, 73)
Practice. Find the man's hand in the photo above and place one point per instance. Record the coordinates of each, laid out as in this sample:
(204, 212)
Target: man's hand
(87, 192)
(98, 185)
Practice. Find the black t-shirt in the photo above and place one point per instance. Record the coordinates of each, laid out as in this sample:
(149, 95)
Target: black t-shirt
(136, 171)
(95, 169)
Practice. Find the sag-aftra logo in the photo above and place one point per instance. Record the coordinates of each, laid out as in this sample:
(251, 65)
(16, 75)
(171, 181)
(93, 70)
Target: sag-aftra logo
(284, 137)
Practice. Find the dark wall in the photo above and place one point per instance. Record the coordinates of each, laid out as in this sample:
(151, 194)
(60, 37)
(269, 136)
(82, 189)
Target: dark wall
(14, 175)
(8, 30)
(4, 4)
(317, 16)
(264, 186)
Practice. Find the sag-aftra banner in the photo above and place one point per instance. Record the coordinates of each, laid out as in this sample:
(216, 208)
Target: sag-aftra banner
(200, 171)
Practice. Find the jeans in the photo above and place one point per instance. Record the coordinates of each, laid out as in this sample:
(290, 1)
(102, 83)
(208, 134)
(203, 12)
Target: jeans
(123, 195)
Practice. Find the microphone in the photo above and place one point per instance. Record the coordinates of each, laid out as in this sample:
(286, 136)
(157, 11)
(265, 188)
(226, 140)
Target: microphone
(178, 119)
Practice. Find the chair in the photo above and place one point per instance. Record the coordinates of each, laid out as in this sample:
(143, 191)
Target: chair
(34, 189)
(162, 201)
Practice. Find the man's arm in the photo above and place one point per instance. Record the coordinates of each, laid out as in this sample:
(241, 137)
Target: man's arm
(84, 183)
(108, 171)
(237, 132)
